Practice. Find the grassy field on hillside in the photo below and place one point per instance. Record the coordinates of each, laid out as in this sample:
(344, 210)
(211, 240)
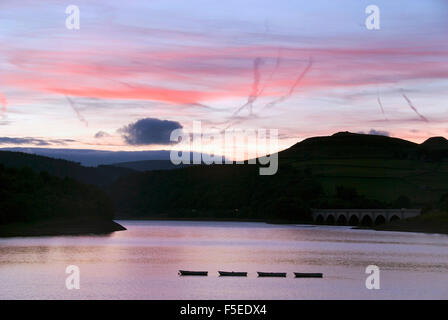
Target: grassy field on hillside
(384, 179)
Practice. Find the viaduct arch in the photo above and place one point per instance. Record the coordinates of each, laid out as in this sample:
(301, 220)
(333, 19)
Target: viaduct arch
(361, 216)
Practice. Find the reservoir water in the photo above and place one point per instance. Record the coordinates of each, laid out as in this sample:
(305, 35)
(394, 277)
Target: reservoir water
(143, 262)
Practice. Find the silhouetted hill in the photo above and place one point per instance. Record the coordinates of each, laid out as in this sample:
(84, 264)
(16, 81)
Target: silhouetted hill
(345, 170)
(101, 175)
(379, 167)
(434, 149)
(436, 143)
(346, 144)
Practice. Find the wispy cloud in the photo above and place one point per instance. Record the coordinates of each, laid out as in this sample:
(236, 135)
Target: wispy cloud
(78, 113)
(423, 118)
(273, 72)
(292, 88)
(380, 103)
(138, 63)
(33, 141)
(255, 88)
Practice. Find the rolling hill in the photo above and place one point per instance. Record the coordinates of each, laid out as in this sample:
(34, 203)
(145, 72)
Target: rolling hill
(345, 170)
(378, 167)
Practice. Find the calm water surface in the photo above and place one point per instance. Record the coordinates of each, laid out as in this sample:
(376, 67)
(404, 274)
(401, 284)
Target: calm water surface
(142, 263)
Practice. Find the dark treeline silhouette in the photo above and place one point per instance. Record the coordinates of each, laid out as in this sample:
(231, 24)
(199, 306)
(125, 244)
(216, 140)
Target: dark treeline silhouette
(350, 198)
(218, 191)
(27, 196)
(101, 175)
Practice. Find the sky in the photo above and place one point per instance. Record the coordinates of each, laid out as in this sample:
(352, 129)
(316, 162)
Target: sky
(135, 70)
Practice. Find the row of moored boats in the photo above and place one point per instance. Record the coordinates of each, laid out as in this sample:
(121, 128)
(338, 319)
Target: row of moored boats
(244, 274)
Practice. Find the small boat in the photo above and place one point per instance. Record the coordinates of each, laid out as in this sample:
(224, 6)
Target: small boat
(272, 274)
(308, 275)
(192, 273)
(232, 274)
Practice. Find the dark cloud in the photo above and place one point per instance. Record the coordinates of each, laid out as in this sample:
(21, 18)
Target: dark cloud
(376, 133)
(149, 131)
(60, 141)
(37, 142)
(33, 141)
(101, 134)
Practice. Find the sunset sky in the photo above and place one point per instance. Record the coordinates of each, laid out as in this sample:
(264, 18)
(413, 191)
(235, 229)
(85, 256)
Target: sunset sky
(309, 67)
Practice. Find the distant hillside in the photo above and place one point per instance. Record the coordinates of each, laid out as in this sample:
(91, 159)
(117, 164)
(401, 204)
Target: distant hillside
(93, 158)
(149, 165)
(101, 175)
(344, 170)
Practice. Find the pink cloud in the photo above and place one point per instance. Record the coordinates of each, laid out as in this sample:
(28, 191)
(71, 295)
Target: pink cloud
(192, 75)
(3, 102)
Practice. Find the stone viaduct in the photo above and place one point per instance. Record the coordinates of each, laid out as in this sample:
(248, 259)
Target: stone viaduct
(355, 217)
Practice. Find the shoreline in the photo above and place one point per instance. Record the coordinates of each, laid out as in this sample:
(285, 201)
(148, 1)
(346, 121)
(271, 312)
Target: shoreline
(430, 224)
(60, 228)
(412, 225)
(214, 220)
(428, 229)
